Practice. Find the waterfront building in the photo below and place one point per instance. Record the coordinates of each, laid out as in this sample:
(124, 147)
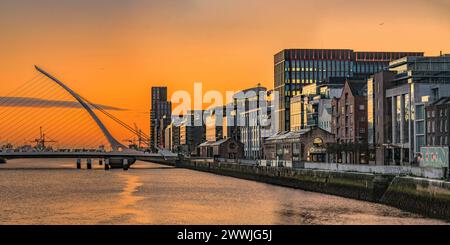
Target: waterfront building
(296, 68)
(255, 115)
(349, 123)
(293, 148)
(168, 137)
(191, 132)
(313, 107)
(172, 137)
(214, 127)
(225, 148)
(160, 117)
(414, 83)
(438, 123)
(296, 115)
(379, 117)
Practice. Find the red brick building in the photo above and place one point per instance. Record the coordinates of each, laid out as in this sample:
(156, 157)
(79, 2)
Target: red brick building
(349, 119)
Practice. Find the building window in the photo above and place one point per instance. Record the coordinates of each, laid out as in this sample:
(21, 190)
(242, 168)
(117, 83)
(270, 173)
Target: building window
(420, 127)
(361, 107)
(435, 93)
(420, 142)
(420, 112)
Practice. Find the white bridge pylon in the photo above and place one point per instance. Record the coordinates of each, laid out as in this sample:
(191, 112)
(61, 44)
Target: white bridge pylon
(115, 144)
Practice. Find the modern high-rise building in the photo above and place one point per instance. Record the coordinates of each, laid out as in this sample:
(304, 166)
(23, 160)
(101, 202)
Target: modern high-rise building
(295, 68)
(396, 106)
(160, 117)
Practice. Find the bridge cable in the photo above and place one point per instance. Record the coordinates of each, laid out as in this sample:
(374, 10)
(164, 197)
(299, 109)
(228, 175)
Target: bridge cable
(20, 120)
(18, 88)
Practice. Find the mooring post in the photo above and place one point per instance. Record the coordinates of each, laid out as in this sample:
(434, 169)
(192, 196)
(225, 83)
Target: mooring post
(89, 163)
(107, 164)
(125, 164)
(78, 163)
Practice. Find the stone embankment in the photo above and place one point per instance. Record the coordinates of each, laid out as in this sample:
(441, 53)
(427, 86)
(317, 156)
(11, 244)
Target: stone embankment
(424, 196)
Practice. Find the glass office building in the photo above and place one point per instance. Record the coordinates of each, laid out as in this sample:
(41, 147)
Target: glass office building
(295, 68)
(418, 81)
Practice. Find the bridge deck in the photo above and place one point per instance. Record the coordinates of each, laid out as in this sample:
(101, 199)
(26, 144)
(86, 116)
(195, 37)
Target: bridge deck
(18, 155)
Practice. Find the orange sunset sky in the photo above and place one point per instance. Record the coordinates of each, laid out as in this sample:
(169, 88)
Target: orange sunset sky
(113, 51)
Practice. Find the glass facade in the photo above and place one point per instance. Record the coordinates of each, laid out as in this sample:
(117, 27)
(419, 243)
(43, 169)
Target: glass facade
(370, 111)
(295, 68)
(398, 118)
(420, 127)
(296, 122)
(406, 114)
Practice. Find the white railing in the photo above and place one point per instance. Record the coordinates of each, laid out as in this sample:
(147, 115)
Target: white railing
(426, 172)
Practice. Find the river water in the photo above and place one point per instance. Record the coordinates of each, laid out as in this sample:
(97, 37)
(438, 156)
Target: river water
(54, 192)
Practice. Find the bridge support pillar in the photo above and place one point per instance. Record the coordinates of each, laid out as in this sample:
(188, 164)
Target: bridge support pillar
(125, 164)
(89, 163)
(106, 164)
(100, 162)
(78, 163)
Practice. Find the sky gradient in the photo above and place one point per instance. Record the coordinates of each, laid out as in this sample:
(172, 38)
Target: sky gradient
(113, 51)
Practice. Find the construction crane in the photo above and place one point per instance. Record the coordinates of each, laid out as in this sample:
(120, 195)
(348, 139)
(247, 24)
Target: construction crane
(42, 141)
(133, 142)
(139, 134)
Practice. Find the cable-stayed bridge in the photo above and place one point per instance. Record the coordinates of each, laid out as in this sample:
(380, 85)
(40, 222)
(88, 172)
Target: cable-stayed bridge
(71, 121)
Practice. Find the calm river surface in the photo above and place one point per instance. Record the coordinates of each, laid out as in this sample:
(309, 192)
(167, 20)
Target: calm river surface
(54, 192)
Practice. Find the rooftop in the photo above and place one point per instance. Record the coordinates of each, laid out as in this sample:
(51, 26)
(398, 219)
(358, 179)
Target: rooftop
(442, 101)
(214, 143)
(358, 87)
(288, 135)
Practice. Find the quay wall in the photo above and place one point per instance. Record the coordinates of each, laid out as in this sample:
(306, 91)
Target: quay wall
(423, 196)
(369, 187)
